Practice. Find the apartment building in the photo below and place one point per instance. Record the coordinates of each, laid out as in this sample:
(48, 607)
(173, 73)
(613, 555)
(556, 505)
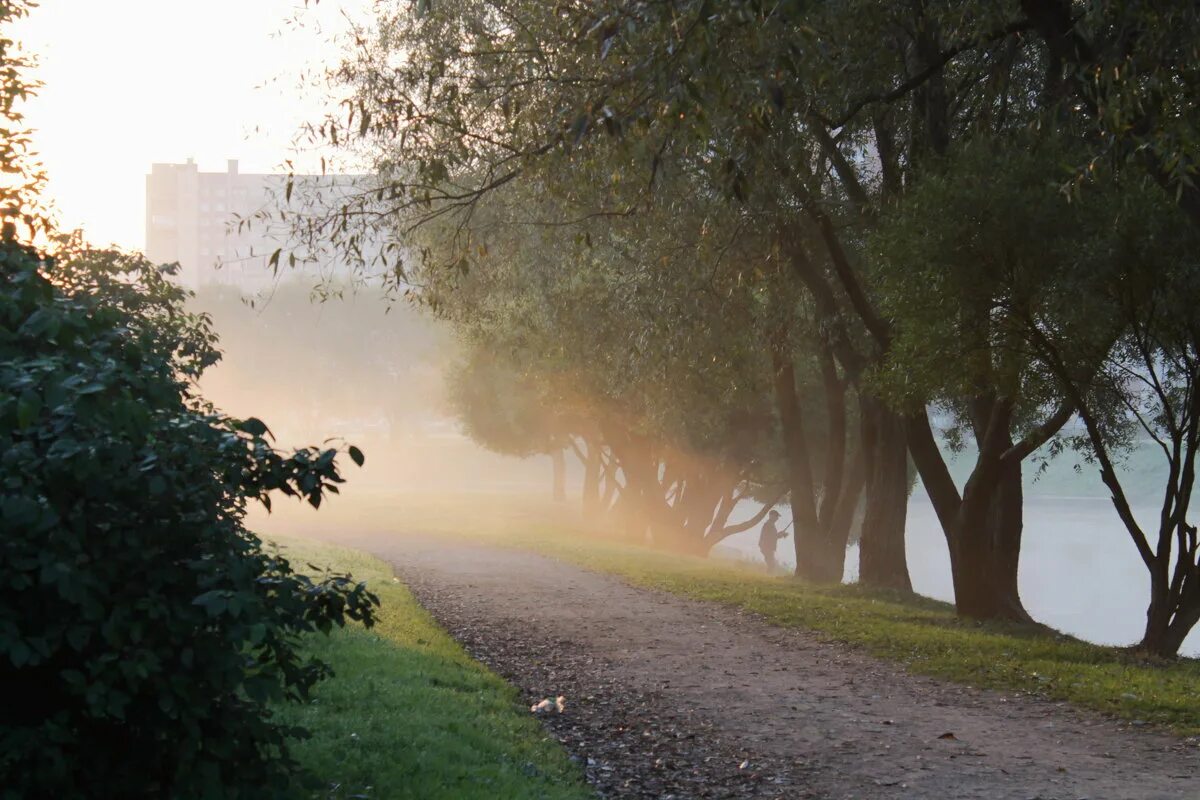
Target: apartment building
(192, 218)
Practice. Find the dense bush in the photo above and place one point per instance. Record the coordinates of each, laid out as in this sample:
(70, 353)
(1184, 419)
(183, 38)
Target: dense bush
(143, 629)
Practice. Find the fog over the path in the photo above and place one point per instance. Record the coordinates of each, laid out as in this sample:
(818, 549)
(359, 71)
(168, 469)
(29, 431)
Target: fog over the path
(1079, 571)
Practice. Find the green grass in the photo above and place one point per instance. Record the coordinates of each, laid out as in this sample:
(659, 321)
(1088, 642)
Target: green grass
(922, 634)
(408, 714)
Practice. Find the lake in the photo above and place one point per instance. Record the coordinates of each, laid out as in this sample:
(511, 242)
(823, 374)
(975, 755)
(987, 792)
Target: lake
(1079, 570)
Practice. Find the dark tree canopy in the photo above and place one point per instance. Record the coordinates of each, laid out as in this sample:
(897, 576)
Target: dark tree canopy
(893, 201)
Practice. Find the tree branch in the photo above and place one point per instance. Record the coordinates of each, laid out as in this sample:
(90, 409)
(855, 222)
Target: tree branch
(921, 77)
(1039, 435)
(740, 527)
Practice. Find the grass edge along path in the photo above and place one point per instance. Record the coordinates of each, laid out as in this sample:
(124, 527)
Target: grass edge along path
(408, 714)
(922, 634)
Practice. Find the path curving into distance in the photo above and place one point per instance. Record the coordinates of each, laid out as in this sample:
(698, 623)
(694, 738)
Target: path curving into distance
(674, 698)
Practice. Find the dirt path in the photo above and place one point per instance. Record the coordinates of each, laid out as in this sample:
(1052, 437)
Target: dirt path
(670, 698)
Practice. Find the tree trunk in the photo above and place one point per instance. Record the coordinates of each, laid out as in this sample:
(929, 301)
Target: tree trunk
(982, 526)
(560, 475)
(627, 517)
(882, 560)
(1174, 610)
(721, 530)
(974, 595)
(632, 508)
(824, 557)
(646, 483)
(1006, 521)
(987, 555)
(642, 492)
(1158, 614)
(724, 510)
(990, 520)
(1178, 630)
(611, 485)
(816, 559)
(704, 501)
(591, 482)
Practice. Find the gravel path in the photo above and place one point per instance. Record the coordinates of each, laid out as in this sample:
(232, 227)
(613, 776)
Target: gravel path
(672, 698)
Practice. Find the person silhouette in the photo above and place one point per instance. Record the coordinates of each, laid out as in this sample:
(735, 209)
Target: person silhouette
(768, 538)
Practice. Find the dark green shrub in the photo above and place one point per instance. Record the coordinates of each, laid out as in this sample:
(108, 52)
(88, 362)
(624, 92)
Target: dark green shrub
(143, 629)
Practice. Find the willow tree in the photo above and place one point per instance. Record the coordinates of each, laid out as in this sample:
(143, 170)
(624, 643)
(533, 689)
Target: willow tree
(983, 271)
(507, 412)
(815, 120)
(637, 337)
(1136, 381)
(1154, 375)
(467, 98)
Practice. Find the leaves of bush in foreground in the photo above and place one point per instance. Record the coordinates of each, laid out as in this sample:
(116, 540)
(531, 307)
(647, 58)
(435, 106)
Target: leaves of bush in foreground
(143, 629)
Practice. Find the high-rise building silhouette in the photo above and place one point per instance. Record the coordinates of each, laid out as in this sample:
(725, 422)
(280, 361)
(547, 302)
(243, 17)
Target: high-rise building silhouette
(213, 223)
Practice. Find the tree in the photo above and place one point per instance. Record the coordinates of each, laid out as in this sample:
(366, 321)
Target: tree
(506, 412)
(979, 269)
(1145, 388)
(798, 117)
(22, 211)
(658, 380)
(1156, 374)
(428, 163)
(1125, 75)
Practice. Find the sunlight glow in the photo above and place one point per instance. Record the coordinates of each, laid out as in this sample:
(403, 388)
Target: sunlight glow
(131, 82)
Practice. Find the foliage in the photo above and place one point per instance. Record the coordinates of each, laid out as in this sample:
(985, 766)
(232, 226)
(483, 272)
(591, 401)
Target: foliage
(1127, 75)
(884, 175)
(1152, 378)
(21, 177)
(144, 629)
(502, 409)
(624, 336)
(991, 251)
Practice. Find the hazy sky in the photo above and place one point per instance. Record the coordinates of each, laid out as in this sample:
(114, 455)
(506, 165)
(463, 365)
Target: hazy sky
(131, 82)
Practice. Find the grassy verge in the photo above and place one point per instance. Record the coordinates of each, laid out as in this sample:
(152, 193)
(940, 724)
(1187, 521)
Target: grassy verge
(409, 715)
(922, 634)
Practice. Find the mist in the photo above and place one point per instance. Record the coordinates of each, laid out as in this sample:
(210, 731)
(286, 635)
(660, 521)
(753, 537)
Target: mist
(369, 368)
(493, 398)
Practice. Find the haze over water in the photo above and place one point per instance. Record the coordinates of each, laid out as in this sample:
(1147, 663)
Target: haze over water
(1079, 570)
(1079, 573)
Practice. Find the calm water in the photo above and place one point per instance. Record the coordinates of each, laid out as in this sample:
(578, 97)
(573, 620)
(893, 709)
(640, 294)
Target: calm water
(1079, 571)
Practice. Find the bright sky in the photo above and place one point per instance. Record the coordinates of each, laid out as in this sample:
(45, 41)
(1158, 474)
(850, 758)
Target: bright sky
(131, 82)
